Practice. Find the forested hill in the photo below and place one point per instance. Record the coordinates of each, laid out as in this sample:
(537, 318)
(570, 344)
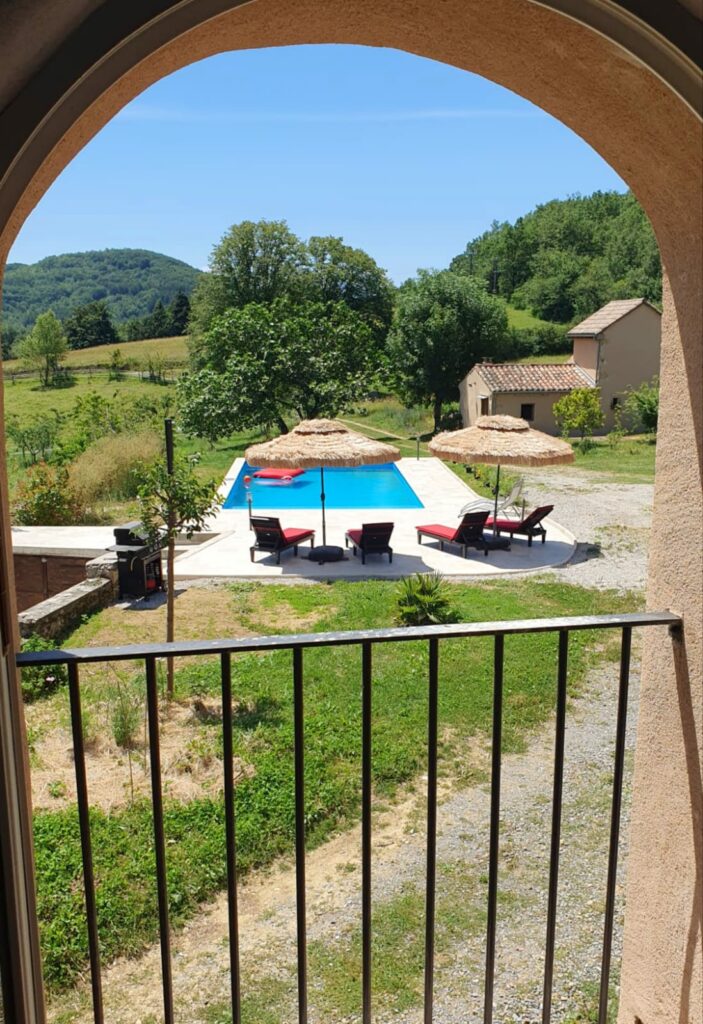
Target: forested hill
(129, 280)
(570, 256)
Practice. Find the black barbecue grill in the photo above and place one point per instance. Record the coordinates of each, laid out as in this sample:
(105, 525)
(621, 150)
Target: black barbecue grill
(139, 567)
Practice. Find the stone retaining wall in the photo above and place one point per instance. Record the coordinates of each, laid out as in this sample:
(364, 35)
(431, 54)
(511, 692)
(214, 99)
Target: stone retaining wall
(55, 616)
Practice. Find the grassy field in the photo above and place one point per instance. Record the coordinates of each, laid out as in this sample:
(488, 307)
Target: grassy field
(521, 318)
(626, 460)
(172, 351)
(25, 399)
(263, 739)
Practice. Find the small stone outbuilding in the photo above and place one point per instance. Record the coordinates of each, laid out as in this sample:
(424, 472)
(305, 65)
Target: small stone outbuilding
(614, 349)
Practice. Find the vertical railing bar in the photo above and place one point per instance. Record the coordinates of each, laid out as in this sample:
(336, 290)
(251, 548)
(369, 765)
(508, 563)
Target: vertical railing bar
(620, 736)
(299, 740)
(152, 698)
(230, 836)
(494, 839)
(86, 844)
(431, 879)
(366, 649)
(556, 825)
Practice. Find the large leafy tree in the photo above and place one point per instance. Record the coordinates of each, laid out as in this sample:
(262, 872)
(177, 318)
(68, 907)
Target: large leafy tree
(90, 325)
(44, 347)
(172, 503)
(444, 323)
(255, 261)
(267, 361)
(340, 273)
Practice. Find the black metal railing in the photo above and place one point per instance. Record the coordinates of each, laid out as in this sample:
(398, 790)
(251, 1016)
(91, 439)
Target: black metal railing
(366, 639)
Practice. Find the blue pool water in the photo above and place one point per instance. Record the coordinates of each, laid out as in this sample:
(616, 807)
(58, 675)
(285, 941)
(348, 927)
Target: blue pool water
(363, 487)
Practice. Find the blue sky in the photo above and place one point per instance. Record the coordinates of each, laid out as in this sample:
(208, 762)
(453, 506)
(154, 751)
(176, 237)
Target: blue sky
(403, 157)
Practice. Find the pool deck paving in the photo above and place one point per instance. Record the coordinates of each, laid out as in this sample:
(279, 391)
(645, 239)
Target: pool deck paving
(442, 493)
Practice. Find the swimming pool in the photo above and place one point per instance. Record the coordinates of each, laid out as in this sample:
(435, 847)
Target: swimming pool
(361, 487)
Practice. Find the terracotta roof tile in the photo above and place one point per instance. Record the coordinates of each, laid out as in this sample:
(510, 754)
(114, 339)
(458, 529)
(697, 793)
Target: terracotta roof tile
(597, 322)
(534, 376)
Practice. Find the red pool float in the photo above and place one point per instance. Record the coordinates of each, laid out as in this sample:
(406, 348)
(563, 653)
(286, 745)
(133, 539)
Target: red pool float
(278, 474)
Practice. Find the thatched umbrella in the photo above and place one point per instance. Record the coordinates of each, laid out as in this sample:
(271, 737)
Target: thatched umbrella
(501, 441)
(320, 444)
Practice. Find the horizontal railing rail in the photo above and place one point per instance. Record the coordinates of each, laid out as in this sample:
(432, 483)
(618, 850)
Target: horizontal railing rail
(366, 640)
(186, 648)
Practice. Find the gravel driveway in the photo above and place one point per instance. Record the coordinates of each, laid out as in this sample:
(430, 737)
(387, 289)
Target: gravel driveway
(610, 521)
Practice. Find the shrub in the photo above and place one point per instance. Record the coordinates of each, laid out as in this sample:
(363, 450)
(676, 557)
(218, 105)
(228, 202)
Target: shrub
(42, 680)
(451, 417)
(643, 405)
(112, 468)
(423, 600)
(45, 497)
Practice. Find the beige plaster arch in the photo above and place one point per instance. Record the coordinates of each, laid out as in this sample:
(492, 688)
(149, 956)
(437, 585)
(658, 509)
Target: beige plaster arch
(637, 120)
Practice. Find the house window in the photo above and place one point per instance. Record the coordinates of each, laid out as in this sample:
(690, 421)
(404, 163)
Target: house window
(527, 411)
(615, 402)
(484, 405)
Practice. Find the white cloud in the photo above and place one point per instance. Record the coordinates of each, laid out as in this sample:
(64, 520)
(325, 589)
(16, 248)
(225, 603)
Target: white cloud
(177, 115)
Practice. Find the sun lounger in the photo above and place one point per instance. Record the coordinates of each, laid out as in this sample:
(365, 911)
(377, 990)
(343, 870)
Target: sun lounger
(371, 539)
(273, 539)
(468, 534)
(530, 526)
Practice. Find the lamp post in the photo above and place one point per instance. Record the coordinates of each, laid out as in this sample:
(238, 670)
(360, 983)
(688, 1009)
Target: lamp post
(247, 486)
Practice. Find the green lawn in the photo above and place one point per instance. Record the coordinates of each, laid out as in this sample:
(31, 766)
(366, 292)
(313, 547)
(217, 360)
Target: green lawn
(263, 738)
(626, 460)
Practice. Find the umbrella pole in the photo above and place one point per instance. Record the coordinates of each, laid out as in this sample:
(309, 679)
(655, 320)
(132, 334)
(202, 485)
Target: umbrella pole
(495, 509)
(322, 502)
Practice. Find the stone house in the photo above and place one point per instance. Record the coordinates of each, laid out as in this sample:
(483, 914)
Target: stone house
(614, 349)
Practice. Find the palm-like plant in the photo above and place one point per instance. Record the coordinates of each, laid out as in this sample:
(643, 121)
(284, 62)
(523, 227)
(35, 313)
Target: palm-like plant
(423, 600)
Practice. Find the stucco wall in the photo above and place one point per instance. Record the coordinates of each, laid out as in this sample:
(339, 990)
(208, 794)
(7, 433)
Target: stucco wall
(653, 139)
(508, 404)
(471, 389)
(585, 354)
(629, 356)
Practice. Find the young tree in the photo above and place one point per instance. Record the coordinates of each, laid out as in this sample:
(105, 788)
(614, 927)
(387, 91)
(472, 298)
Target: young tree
(264, 362)
(172, 503)
(444, 323)
(90, 325)
(44, 347)
(579, 412)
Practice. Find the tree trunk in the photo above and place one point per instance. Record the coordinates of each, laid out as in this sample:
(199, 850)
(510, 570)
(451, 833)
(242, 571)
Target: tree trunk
(437, 412)
(170, 609)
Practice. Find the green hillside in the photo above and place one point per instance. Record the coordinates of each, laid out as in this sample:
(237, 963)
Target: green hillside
(568, 257)
(130, 281)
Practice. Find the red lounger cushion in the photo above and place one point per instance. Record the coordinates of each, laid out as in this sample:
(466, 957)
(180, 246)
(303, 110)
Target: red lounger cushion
(443, 532)
(292, 536)
(277, 474)
(504, 524)
(354, 536)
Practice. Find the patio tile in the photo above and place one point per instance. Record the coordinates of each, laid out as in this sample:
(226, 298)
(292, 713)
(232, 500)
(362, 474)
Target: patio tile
(442, 493)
